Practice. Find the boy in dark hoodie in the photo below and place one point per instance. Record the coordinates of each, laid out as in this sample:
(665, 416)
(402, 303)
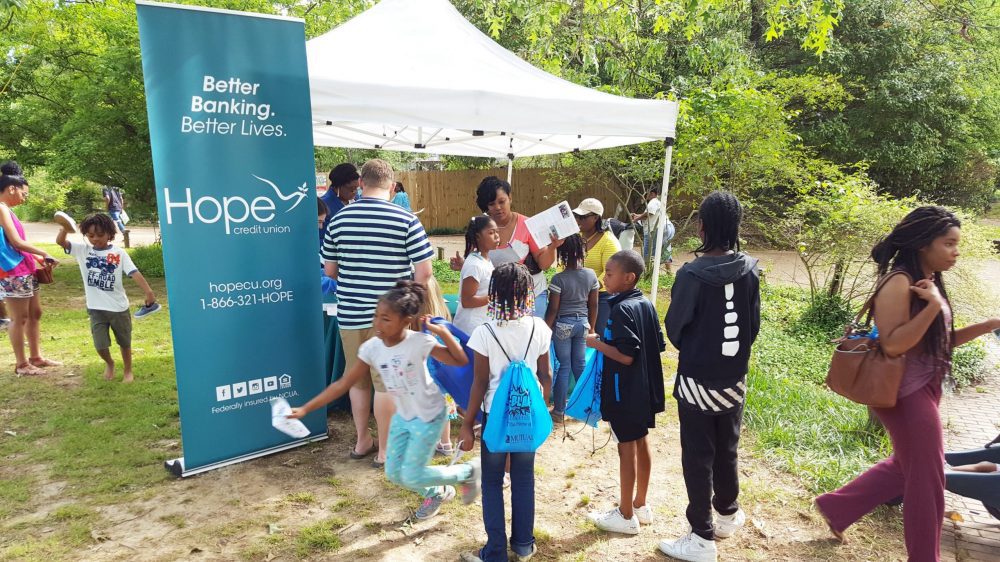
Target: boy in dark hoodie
(631, 388)
(713, 319)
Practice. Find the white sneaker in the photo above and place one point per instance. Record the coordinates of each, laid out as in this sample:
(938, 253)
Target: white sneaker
(644, 514)
(472, 486)
(613, 521)
(726, 525)
(690, 547)
(515, 557)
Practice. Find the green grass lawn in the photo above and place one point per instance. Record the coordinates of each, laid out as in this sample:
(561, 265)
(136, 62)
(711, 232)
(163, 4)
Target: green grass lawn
(105, 440)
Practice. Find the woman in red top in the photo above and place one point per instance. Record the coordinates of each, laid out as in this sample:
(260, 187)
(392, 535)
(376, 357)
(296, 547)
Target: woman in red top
(516, 243)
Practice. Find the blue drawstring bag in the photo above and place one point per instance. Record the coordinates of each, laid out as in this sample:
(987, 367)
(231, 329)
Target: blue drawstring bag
(9, 257)
(519, 421)
(585, 402)
(456, 381)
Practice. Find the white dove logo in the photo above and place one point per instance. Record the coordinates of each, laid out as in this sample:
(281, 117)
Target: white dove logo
(298, 196)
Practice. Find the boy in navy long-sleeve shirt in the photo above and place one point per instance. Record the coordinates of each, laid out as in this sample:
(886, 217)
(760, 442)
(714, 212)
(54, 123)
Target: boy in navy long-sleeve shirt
(631, 388)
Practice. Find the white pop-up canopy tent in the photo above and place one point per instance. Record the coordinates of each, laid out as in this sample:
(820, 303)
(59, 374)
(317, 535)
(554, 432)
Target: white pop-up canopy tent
(414, 75)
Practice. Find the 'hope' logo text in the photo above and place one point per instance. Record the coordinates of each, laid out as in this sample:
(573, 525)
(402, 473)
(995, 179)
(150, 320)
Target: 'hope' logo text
(230, 210)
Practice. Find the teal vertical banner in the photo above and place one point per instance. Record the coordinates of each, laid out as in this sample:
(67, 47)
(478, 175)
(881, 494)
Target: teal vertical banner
(227, 95)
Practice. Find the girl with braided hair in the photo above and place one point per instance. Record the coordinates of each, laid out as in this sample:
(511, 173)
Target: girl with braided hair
(400, 355)
(572, 314)
(511, 332)
(913, 317)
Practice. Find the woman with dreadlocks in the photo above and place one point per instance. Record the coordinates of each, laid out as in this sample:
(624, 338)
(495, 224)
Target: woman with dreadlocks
(913, 317)
(511, 332)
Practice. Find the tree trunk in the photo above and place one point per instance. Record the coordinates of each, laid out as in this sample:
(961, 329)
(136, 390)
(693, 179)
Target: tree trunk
(837, 282)
(757, 23)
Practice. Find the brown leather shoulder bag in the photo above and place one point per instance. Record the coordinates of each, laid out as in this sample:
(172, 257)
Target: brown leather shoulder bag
(860, 371)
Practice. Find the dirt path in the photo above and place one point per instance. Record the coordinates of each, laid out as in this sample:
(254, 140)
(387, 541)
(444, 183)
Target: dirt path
(260, 510)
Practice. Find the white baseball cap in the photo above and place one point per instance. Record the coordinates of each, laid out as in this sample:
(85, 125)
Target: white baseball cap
(588, 206)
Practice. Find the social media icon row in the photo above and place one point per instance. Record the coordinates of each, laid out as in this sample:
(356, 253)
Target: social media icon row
(251, 387)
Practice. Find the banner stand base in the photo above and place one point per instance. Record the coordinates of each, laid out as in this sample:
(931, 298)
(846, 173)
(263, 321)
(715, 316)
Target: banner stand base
(176, 466)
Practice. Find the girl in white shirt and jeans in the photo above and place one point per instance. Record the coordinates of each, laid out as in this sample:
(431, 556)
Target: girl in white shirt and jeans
(513, 331)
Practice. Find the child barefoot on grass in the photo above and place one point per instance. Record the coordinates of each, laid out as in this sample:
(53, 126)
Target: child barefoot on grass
(400, 355)
(101, 266)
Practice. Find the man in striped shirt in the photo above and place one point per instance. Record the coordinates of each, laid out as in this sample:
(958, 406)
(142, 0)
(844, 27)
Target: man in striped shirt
(369, 246)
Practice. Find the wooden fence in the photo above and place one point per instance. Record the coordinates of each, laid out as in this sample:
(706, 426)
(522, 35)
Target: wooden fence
(448, 198)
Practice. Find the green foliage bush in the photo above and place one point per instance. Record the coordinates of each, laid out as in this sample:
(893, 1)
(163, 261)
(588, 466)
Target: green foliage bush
(968, 364)
(46, 196)
(826, 315)
(149, 259)
(443, 272)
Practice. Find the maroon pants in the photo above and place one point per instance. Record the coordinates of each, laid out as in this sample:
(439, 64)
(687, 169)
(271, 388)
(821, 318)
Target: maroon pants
(915, 471)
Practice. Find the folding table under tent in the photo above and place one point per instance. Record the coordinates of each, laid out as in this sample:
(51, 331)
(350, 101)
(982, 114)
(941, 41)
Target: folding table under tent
(416, 76)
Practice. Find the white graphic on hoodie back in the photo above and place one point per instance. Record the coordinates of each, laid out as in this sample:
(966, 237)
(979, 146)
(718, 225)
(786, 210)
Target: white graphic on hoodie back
(731, 346)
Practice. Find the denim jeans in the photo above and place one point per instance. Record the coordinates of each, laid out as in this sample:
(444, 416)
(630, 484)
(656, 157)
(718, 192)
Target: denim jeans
(603, 311)
(116, 216)
(522, 503)
(649, 240)
(569, 338)
(541, 304)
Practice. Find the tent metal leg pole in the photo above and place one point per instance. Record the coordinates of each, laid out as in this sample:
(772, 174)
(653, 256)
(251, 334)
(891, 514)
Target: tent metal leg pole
(661, 223)
(510, 169)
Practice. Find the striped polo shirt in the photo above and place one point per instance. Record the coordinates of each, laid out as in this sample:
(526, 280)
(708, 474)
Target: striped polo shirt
(373, 243)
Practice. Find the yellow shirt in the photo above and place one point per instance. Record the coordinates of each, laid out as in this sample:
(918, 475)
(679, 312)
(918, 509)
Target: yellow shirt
(597, 256)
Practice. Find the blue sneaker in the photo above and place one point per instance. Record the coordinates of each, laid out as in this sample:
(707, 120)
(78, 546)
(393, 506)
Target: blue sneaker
(432, 504)
(146, 310)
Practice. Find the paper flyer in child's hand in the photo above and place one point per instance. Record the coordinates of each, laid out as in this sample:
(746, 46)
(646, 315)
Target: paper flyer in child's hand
(289, 426)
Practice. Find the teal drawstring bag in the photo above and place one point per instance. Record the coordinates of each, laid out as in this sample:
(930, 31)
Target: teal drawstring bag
(9, 257)
(519, 421)
(585, 402)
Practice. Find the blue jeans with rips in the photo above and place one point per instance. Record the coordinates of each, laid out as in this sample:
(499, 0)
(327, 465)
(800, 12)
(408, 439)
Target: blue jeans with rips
(522, 503)
(569, 337)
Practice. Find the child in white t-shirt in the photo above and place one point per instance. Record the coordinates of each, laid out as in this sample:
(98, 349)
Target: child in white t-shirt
(513, 331)
(102, 266)
(481, 237)
(400, 357)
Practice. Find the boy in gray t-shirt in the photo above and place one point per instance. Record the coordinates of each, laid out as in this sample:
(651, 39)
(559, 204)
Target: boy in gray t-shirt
(571, 314)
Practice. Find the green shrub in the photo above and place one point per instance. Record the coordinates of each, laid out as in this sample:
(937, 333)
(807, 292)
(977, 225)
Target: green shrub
(968, 364)
(443, 272)
(827, 314)
(149, 259)
(76, 197)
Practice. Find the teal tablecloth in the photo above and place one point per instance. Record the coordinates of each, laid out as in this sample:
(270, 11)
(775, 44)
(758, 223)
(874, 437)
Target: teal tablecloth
(334, 355)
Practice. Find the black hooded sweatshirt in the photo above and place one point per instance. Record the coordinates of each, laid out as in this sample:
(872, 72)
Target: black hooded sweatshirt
(713, 319)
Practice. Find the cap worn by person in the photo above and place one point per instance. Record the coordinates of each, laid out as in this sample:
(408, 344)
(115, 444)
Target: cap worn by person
(589, 206)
